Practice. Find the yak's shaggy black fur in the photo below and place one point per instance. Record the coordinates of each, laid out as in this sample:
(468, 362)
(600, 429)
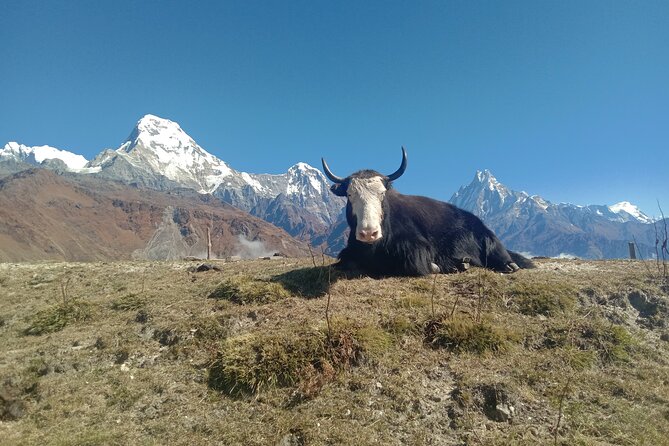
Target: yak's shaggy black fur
(419, 231)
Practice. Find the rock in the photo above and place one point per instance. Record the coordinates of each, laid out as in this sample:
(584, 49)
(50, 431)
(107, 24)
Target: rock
(11, 408)
(204, 267)
(504, 412)
(497, 402)
(167, 337)
(121, 356)
(100, 343)
(291, 439)
(642, 303)
(142, 317)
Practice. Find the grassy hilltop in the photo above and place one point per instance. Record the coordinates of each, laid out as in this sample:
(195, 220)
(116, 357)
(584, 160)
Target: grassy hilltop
(156, 353)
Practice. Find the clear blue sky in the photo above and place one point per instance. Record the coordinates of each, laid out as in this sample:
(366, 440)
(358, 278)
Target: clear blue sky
(565, 99)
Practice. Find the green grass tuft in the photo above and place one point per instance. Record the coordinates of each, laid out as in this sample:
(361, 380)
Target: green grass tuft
(541, 298)
(465, 335)
(252, 362)
(611, 343)
(400, 325)
(244, 290)
(413, 301)
(58, 317)
(129, 302)
(308, 282)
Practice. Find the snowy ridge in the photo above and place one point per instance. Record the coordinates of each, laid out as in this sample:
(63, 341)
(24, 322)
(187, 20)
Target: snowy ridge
(304, 179)
(39, 154)
(486, 196)
(528, 223)
(625, 207)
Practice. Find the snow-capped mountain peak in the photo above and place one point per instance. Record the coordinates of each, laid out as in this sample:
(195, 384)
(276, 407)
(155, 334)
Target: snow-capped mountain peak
(625, 207)
(483, 195)
(303, 167)
(162, 132)
(303, 178)
(162, 147)
(159, 153)
(39, 154)
(488, 180)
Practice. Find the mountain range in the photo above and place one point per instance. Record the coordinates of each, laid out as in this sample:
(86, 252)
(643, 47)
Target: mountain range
(530, 224)
(158, 157)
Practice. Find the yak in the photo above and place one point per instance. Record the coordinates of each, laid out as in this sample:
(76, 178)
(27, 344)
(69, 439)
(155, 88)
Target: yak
(405, 235)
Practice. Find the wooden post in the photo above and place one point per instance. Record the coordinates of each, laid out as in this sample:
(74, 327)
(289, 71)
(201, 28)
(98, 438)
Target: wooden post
(208, 243)
(632, 250)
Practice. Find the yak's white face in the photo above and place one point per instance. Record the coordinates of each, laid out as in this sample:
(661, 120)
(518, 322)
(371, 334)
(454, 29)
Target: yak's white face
(366, 196)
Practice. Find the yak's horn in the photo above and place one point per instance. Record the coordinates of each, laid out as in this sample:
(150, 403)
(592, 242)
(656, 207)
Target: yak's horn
(329, 173)
(398, 173)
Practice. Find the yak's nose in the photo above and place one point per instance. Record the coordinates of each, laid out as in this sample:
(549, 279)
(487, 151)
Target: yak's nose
(368, 235)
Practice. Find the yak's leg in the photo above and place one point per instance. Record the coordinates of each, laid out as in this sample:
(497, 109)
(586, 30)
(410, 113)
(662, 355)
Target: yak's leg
(497, 257)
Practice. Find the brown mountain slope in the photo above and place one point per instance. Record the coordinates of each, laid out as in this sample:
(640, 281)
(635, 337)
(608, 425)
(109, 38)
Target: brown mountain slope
(46, 216)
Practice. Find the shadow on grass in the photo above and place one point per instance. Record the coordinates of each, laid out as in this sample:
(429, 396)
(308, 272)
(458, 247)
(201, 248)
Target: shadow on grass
(309, 282)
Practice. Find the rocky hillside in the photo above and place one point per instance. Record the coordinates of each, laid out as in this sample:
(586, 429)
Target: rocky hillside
(572, 352)
(46, 216)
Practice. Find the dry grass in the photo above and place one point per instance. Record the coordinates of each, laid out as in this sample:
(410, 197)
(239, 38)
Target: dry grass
(150, 353)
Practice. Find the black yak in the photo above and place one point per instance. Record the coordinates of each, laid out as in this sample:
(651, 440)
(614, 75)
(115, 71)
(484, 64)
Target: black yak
(404, 235)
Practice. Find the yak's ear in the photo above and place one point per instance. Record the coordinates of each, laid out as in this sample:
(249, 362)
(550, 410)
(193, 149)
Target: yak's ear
(338, 189)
